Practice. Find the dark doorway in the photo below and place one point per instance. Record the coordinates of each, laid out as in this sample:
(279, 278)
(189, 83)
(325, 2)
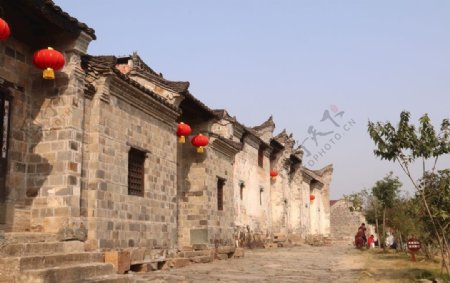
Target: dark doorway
(5, 107)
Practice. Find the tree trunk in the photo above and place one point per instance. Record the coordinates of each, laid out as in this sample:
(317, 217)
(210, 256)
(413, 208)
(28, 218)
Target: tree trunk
(443, 244)
(445, 252)
(378, 228)
(401, 241)
(384, 229)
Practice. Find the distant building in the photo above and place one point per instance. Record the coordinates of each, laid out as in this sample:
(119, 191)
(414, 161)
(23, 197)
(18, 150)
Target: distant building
(345, 223)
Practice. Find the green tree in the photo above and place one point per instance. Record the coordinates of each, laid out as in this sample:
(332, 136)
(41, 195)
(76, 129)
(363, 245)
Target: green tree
(436, 190)
(386, 192)
(355, 201)
(406, 144)
(404, 217)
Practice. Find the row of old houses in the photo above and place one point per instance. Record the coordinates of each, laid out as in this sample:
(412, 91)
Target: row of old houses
(95, 150)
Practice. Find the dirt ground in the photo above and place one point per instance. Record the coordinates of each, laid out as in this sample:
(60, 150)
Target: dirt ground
(296, 264)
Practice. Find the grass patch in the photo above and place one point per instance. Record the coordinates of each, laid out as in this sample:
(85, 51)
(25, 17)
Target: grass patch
(397, 267)
(418, 273)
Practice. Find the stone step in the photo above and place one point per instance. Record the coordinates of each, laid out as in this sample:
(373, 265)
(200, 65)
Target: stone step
(201, 259)
(19, 264)
(179, 262)
(225, 250)
(108, 279)
(66, 274)
(55, 260)
(188, 254)
(29, 237)
(40, 248)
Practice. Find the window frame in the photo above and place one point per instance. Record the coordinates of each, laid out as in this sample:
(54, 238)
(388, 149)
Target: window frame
(261, 156)
(261, 191)
(139, 157)
(241, 190)
(5, 98)
(220, 193)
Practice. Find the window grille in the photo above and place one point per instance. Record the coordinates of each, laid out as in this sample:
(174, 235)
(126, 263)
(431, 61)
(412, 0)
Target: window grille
(136, 159)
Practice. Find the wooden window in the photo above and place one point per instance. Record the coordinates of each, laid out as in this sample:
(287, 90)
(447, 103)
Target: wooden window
(220, 185)
(5, 110)
(241, 190)
(136, 160)
(261, 156)
(261, 190)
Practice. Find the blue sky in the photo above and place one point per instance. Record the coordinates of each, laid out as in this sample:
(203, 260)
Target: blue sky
(294, 60)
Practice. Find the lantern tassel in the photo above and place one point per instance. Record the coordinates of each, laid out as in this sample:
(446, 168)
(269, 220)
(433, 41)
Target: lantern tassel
(273, 178)
(48, 74)
(181, 139)
(200, 149)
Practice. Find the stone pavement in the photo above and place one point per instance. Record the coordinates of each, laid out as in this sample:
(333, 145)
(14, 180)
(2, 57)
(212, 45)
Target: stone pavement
(296, 264)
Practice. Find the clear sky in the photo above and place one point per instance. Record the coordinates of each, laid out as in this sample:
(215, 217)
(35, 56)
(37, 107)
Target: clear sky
(294, 60)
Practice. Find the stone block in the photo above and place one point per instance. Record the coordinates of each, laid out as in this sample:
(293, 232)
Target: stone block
(199, 236)
(197, 247)
(239, 252)
(225, 250)
(179, 262)
(222, 256)
(270, 245)
(137, 254)
(201, 259)
(120, 260)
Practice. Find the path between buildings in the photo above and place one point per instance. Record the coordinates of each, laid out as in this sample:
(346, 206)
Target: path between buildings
(296, 264)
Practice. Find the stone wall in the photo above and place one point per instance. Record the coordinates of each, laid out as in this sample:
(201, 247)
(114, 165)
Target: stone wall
(253, 213)
(344, 223)
(290, 216)
(119, 118)
(325, 210)
(60, 117)
(200, 221)
(42, 187)
(15, 67)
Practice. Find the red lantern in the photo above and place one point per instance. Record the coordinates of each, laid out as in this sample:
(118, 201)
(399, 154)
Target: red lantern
(273, 174)
(312, 198)
(183, 130)
(4, 30)
(48, 60)
(200, 141)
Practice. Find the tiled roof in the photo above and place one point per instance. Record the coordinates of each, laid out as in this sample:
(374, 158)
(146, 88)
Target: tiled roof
(142, 69)
(268, 123)
(236, 145)
(58, 11)
(223, 114)
(202, 105)
(312, 174)
(102, 65)
(332, 202)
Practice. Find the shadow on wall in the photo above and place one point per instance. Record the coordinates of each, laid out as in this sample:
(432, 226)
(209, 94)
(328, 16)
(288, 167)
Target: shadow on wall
(34, 121)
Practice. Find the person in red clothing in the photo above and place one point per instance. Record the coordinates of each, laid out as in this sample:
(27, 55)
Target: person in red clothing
(359, 240)
(371, 241)
(363, 228)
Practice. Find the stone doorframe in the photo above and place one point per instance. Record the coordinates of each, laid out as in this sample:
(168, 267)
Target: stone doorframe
(5, 109)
